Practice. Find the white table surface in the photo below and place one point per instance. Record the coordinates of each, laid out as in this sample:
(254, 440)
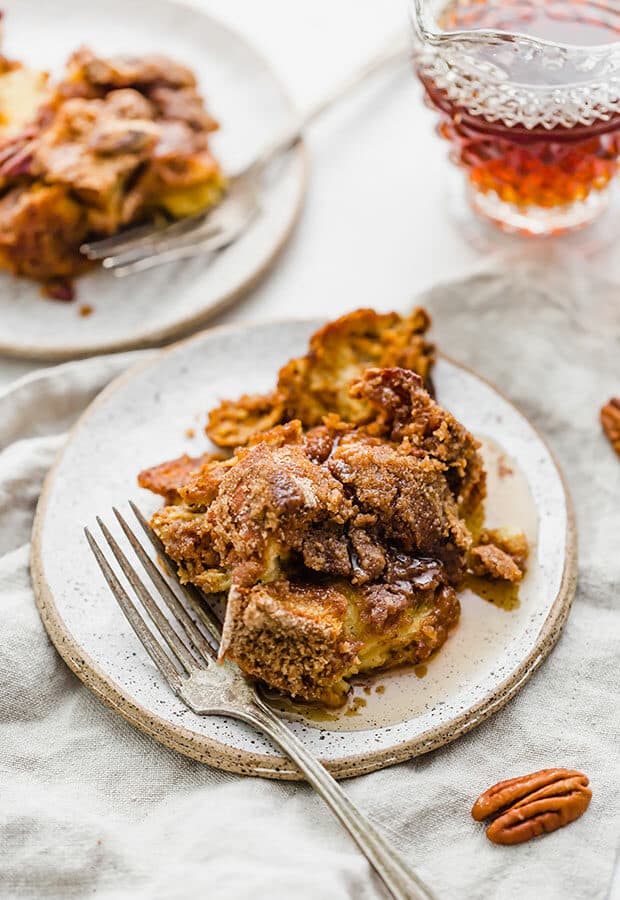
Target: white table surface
(374, 231)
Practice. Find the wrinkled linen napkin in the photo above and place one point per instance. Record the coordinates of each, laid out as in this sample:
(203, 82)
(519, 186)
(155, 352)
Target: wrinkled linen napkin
(89, 805)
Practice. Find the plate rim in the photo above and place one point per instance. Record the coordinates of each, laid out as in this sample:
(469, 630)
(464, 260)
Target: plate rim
(190, 323)
(213, 752)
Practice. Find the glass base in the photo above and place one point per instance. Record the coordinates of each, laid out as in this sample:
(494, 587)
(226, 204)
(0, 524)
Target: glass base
(537, 221)
(492, 225)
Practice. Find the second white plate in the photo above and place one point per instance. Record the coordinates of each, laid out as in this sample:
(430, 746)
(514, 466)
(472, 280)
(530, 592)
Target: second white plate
(149, 308)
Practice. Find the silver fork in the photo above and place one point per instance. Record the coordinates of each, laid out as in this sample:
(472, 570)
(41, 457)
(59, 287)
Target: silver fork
(145, 247)
(194, 236)
(183, 642)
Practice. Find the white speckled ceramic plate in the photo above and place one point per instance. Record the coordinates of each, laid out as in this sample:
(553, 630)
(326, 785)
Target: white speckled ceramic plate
(143, 418)
(146, 309)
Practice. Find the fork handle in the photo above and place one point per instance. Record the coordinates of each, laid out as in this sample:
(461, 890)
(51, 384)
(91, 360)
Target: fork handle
(397, 50)
(400, 880)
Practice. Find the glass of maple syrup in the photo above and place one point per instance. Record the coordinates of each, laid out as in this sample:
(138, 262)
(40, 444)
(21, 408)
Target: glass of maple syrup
(528, 93)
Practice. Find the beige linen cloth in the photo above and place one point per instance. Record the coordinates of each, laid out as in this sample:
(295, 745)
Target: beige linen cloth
(90, 806)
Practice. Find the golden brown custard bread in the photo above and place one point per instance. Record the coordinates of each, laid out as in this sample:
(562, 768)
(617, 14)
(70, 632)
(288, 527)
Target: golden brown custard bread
(336, 529)
(339, 546)
(317, 384)
(116, 141)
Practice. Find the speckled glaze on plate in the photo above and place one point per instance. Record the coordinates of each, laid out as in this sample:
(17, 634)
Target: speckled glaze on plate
(143, 418)
(153, 307)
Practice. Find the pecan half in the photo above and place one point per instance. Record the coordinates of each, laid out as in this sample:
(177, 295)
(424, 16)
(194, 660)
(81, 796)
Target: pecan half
(610, 420)
(525, 807)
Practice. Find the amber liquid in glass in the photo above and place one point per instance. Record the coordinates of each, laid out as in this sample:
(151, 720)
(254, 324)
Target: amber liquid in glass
(538, 167)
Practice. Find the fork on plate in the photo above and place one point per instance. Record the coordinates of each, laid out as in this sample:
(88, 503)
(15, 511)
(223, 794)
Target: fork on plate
(182, 634)
(147, 246)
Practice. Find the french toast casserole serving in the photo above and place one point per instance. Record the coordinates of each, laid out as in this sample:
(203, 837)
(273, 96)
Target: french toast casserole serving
(336, 528)
(115, 142)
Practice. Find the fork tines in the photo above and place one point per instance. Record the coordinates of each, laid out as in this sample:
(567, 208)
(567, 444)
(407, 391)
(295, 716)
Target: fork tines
(201, 235)
(191, 631)
(141, 236)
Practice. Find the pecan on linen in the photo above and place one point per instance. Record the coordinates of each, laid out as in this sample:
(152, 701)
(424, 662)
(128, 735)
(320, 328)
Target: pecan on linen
(531, 805)
(610, 420)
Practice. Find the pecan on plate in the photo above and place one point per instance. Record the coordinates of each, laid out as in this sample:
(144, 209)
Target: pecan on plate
(525, 807)
(610, 420)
